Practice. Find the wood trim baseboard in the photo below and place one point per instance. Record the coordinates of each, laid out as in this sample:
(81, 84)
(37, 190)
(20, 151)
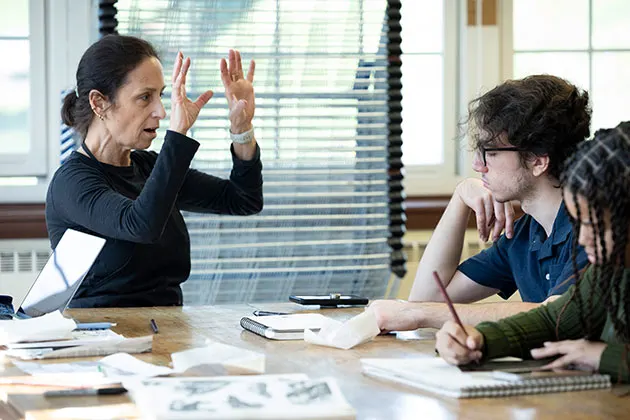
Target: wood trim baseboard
(22, 221)
(424, 212)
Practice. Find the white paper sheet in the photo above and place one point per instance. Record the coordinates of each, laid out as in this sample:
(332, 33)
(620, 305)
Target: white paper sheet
(52, 326)
(78, 338)
(290, 396)
(115, 367)
(219, 353)
(126, 345)
(125, 365)
(355, 331)
(37, 369)
(62, 379)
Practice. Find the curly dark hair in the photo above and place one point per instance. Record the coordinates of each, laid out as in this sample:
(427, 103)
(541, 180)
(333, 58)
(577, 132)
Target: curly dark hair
(542, 114)
(599, 172)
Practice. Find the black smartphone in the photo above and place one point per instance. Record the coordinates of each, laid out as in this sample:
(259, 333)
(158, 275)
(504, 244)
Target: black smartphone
(330, 300)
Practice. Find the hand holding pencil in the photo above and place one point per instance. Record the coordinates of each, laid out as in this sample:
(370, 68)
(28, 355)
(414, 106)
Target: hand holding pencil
(457, 343)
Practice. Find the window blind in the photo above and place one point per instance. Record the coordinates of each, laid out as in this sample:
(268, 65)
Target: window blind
(322, 124)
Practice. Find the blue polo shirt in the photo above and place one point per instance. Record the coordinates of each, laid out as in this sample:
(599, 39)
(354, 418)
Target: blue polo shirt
(530, 262)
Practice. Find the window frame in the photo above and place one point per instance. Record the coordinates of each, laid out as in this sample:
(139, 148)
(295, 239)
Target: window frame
(442, 178)
(508, 52)
(33, 163)
(68, 28)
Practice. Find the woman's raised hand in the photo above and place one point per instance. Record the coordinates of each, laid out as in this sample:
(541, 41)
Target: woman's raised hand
(239, 92)
(184, 112)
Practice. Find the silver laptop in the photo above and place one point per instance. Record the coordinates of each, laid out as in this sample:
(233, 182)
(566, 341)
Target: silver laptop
(63, 273)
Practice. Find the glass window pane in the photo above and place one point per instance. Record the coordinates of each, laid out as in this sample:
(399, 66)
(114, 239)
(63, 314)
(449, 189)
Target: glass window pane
(610, 24)
(550, 25)
(570, 66)
(15, 98)
(422, 24)
(14, 18)
(610, 89)
(423, 110)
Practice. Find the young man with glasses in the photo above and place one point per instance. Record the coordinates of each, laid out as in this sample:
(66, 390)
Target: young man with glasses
(522, 131)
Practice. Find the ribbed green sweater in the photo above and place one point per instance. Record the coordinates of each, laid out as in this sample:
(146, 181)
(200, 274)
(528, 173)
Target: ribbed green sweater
(518, 334)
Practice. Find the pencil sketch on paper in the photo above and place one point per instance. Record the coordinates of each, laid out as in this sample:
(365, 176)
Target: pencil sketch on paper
(275, 396)
(302, 393)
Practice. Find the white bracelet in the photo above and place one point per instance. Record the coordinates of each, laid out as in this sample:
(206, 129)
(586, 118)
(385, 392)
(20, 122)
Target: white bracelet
(243, 138)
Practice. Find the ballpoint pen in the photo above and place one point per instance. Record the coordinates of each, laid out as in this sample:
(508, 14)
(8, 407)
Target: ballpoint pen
(267, 313)
(94, 325)
(154, 326)
(80, 392)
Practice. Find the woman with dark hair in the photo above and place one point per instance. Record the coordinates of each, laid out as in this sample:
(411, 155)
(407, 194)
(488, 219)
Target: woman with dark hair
(589, 326)
(111, 187)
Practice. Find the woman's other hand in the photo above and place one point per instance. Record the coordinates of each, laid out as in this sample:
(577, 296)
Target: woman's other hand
(239, 92)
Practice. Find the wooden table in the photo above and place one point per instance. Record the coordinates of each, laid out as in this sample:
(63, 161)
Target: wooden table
(188, 327)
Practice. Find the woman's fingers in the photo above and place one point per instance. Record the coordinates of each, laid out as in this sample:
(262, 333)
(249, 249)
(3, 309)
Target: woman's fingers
(453, 344)
(250, 72)
(239, 65)
(184, 70)
(203, 99)
(177, 67)
(232, 68)
(225, 75)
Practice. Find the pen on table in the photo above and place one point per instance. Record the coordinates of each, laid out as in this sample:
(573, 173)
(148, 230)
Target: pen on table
(266, 313)
(154, 326)
(81, 392)
(87, 326)
(451, 308)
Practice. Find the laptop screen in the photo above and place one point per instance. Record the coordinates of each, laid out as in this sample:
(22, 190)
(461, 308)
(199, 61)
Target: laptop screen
(63, 273)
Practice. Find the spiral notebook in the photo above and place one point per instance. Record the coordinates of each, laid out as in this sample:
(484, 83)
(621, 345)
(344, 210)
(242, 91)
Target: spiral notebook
(433, 374)
(283, 327)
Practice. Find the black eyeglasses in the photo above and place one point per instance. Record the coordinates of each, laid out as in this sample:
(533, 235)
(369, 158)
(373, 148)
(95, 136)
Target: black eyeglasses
(497, 149)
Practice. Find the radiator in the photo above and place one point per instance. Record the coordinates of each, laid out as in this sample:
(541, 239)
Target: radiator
(20, 262)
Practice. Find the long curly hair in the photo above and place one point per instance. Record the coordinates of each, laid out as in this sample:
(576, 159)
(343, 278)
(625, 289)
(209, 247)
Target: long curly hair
(599, 171)
(543, 115)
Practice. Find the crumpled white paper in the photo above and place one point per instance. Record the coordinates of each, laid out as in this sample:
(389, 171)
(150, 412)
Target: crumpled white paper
(219, 353)
(345, 335)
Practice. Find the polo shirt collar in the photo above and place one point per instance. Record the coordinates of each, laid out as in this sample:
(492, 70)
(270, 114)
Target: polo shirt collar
(559, 233)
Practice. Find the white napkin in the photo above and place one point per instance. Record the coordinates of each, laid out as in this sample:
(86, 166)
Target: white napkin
(219, 353)
(52, 326)
(355, 331)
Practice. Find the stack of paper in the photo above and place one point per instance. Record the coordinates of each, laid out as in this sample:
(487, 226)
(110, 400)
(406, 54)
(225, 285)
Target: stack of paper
(96, 348)
(52, 326)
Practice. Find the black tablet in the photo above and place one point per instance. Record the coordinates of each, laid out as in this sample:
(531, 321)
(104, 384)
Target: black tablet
(330, 300)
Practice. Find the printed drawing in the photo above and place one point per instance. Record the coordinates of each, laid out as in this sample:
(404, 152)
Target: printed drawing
(260, 388)
(235, 402)
(308, 393)
(189, 406)
(192, 388)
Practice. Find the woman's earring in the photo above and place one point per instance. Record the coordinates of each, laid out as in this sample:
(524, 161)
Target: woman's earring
(97, 114)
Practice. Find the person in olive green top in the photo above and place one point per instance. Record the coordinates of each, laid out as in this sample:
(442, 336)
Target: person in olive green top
(587, 327)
